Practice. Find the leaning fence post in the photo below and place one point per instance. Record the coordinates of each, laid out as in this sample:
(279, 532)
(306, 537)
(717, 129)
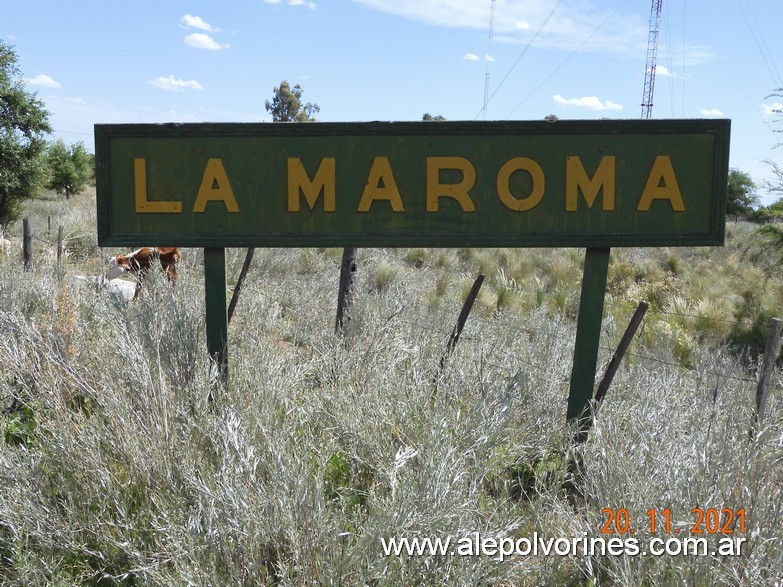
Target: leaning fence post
(770, 356)
(27, 244)
(463, 317)
(240, 282)
(625, 341)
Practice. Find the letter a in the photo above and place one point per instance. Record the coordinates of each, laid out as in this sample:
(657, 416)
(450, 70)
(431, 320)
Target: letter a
(215, 187)
(661, 185)
(381, 185)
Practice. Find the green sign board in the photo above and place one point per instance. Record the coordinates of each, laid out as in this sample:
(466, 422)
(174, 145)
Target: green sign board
(432, 184)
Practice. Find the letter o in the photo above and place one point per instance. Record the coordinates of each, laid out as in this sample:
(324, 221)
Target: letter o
(504, 178)
(523, 547)
(562, 546)
(673, 551)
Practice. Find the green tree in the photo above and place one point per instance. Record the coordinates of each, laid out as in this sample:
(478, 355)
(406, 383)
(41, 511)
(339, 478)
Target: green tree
(427, 117)
(741, 193)
(286, 105)
(23, 125)
(69, 167)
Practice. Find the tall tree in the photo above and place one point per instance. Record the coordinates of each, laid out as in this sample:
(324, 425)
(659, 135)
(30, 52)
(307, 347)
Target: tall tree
(286, 105)
(23, 125)
(741, 193)
(69, 168)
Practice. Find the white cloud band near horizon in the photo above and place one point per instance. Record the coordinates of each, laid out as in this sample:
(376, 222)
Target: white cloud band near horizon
(591, 102)
(172, 84)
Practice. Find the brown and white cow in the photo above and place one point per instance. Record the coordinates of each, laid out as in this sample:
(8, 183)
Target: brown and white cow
(141, 261)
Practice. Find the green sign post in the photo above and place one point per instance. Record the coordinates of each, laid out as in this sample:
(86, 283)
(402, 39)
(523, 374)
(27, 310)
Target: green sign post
(592, 184)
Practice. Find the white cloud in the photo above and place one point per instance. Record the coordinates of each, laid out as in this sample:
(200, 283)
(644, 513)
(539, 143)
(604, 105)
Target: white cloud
(489, 58)
(664, 71)
(711, 112)
(569, 26)
(43, 81)
(204, 41)
(196, 22)
(308, 3)
(591, 102)
(772, 109)
(470, 57)
(174, 84)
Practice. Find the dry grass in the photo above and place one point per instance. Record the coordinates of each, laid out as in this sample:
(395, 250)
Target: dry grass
(116, 470)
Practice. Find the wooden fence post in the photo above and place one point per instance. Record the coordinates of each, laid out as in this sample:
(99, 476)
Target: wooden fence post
(27, 244)
(240, 282)
(614, 364)
(59, 244)
(463, 317)
(770, 356)
(348, 268)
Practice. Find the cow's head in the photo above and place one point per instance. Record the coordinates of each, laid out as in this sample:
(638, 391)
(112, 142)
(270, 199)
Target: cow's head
(134, 262)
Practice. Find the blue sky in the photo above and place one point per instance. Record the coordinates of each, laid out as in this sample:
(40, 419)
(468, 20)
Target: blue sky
(97, 61)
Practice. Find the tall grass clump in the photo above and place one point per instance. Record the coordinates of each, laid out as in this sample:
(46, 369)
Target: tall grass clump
(681, 444)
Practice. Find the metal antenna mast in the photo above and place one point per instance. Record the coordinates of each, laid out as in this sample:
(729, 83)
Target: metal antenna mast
(488, 58)
(652, 53)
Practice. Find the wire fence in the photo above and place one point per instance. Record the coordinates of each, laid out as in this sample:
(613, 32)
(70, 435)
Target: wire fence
(740, 374)
(437, 323)
(496, 328)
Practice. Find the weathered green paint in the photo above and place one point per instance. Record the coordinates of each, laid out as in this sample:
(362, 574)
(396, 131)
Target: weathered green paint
(255, 158)
(215, 302)
(588, 334)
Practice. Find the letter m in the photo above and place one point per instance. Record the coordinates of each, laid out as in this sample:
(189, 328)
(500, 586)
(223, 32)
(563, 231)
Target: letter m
(576, 179)
(300, 182)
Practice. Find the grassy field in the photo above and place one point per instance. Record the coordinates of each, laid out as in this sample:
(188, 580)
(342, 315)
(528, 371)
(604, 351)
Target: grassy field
(116, 470)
